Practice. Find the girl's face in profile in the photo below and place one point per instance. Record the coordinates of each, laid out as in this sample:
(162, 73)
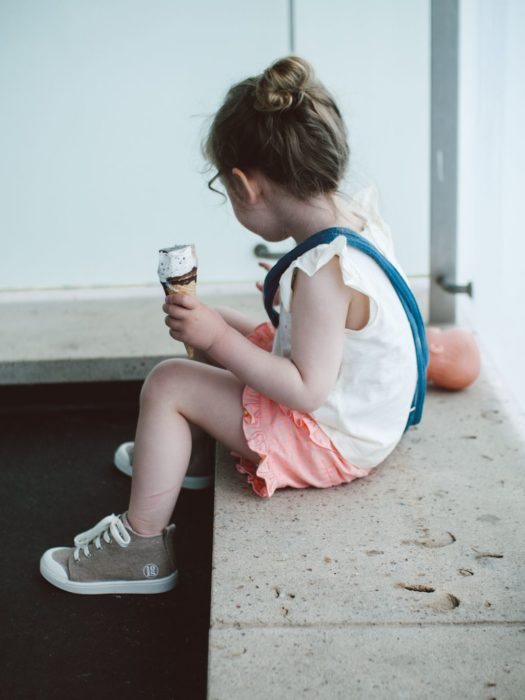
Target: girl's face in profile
(248, 214)
(251, 210)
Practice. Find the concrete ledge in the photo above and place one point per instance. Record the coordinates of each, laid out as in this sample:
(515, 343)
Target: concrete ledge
(331, 663)
(81, 370)
(88, 335)
(409, 583)
(70, 337)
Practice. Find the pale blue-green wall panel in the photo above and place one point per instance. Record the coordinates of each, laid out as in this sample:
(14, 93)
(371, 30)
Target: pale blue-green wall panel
(375, 57)
(103, 107)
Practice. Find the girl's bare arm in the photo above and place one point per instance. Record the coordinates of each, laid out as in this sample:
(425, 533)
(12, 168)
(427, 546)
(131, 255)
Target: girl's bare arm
(236, 319)
(302, 382)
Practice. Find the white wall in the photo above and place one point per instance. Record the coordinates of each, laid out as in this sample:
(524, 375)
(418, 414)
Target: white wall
(103, 106)
(104, 103)
(375, 55)
(491, 213)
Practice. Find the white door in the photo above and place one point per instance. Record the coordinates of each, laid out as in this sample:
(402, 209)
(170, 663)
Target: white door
(375, 58)
(104, 104)
(491, 183)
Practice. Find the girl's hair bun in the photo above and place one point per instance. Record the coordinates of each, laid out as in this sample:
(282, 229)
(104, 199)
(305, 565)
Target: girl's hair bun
(285, 124)
(283, 85)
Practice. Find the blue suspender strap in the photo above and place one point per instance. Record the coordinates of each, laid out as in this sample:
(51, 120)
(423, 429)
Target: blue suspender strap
(406, 297)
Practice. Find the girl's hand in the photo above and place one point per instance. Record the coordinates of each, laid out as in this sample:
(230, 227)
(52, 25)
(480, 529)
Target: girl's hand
(191, 322)
(260, 286)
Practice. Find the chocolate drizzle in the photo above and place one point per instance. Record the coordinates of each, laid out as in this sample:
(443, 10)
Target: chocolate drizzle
(181, 280)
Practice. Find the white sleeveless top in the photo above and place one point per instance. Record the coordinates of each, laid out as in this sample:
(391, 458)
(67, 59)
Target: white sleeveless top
(367, 410)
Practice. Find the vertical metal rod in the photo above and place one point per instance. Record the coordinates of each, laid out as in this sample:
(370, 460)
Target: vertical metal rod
(291, 25)
(444, 153)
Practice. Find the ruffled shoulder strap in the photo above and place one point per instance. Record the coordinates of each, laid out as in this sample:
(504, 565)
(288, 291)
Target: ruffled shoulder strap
(366, 203)
(314, 259)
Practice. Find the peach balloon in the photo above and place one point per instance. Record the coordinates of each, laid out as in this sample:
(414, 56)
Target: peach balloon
(454, 359)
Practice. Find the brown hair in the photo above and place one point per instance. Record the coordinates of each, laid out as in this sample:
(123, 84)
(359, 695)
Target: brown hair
(285, 123)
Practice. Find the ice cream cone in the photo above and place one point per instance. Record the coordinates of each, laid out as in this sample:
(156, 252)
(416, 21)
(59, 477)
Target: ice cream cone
(190, 288)
(182, 261)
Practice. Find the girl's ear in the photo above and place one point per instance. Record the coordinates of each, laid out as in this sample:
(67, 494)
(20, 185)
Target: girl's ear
(246, 186)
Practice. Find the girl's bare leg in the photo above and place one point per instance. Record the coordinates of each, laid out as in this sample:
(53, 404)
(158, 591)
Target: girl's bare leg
(203, 445)
(202, 458)
(178, 393)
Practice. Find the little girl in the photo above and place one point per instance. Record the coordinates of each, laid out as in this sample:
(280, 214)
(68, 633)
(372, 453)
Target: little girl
(318, 402)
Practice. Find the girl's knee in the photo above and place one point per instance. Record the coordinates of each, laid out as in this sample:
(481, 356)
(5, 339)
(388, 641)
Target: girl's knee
(163, 378)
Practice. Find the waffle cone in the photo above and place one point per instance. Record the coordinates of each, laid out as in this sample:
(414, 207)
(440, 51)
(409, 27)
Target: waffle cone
(191, 289)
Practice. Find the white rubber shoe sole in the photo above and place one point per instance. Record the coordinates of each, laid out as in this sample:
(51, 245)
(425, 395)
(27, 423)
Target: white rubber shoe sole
(56, 574)
(123, 459)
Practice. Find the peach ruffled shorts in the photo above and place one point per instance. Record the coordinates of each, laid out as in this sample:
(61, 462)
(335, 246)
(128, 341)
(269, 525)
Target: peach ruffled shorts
(294, 450)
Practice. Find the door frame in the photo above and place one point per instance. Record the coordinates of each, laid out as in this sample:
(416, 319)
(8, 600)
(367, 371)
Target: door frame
(444, 117)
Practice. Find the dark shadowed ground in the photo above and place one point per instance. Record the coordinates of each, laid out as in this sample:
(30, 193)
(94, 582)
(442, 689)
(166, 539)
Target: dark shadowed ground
(56, 480)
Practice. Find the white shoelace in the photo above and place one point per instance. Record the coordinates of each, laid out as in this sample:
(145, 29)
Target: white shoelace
(109, 527)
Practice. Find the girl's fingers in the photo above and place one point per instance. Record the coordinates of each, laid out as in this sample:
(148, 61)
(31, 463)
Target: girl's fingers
(187, 301)
(277, 297)
(175, 311)
(267, 267)
(173, 324)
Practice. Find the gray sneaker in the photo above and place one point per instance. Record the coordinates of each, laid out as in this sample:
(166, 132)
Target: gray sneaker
(123, 460)
(111, 558)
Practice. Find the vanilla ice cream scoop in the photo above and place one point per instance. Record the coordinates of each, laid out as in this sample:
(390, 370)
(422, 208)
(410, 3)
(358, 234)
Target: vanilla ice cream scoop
(177, 261)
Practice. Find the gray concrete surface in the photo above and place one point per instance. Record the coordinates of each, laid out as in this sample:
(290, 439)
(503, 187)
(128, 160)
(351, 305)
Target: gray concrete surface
(104, 335)
(424, 663)
(407, 584)
(97, 339)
